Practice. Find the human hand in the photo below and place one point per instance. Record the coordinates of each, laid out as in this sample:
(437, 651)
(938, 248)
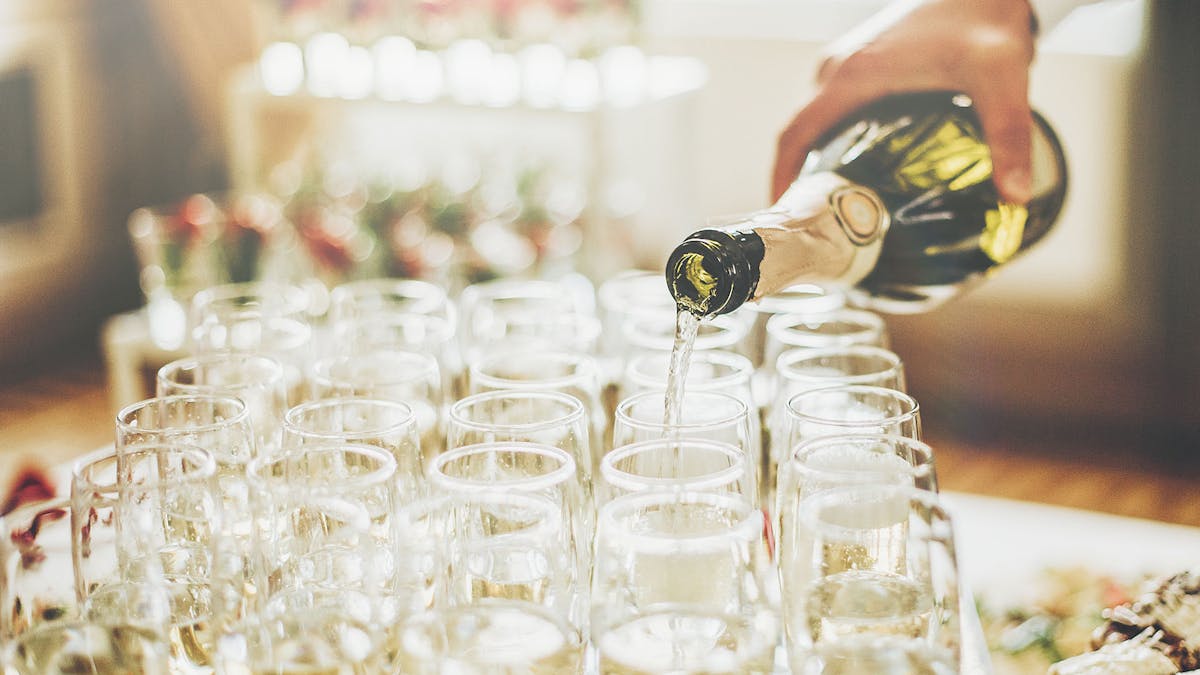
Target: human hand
(981, 48)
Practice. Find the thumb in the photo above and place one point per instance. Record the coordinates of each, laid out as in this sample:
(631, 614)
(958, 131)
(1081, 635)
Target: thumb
(1007, 126)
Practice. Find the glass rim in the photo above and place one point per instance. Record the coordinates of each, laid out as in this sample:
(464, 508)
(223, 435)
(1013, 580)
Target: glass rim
(558, 476)
(575, 412)
(805, 449)
(321, 368)
(240, 415)
(633, 482)
(732, 331)
(380, 475)
(741, 366)
(427, 293)
(291, 419)
(203, 467)
(294, 298)
(782, 327)
(272, 365)
(787, 361)
(612, 520)
(824, 300)
(584, 368)
(911, 411)
(622, 414)
(442, 327)
(610, 290)
(516, 289)
(810, 508)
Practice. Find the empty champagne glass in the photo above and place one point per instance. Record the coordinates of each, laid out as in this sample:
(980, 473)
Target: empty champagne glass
(489, 307)
(405, 332)
(545, 417)
(678, 585)
(627, 294)
(568, 373)
(43, 626)
(532, 469)
(257, 318)
(798, 299)
(257, 380)
(683, 465)
(406, 377)
(834, 328)
(147, 525)
(874, 582)
(710, 415)
(325, 561)
(656, 333)
(378, 298)
(388, 425)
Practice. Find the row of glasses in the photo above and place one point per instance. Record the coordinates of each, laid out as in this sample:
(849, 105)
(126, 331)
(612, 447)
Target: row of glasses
(499, 538)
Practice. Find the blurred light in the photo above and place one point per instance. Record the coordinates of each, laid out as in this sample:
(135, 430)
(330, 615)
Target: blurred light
(468, 63)
(427, 82)
(503, 87)
(358, 73)
(580, 86)
(395, 62)
(325, 55)
(281, 67)
(674, 75)
(461, 172)
(542, 70)
(624, 198)
(624, 75)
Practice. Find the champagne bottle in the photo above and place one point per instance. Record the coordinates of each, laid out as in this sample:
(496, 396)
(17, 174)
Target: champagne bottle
(896, 204)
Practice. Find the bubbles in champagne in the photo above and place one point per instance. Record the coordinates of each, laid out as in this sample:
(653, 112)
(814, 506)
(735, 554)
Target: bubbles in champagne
(867, 603)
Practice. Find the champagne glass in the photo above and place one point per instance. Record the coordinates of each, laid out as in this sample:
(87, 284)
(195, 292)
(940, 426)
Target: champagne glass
(545, 417)
(627, 294)
(800, 370)
(852, 409)
(489, 307)
(834, 328)
(502, 637)
(42, 620)
(377, 298)
(405, 332)
(834, 461)
(710, 370)
(221, 425)
(257, 380)
(406, 377)
(257, 318)
(683, 465)
(798, 299)
(656, 333)
(678, 585)
(149, 546)
(710, 415)
(875, 575)
(388, 425)
(565, 372)
(326, 556)
(531, 469)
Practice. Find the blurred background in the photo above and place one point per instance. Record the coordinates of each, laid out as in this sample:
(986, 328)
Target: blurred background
(391, 134)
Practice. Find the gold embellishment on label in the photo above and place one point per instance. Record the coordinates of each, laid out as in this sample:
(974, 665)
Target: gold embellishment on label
(1005, 227)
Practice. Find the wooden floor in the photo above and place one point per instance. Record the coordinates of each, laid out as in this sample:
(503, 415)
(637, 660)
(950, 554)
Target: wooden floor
(57, 415)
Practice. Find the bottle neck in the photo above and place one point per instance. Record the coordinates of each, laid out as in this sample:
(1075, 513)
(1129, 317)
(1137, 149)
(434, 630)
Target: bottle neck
(824, 229)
